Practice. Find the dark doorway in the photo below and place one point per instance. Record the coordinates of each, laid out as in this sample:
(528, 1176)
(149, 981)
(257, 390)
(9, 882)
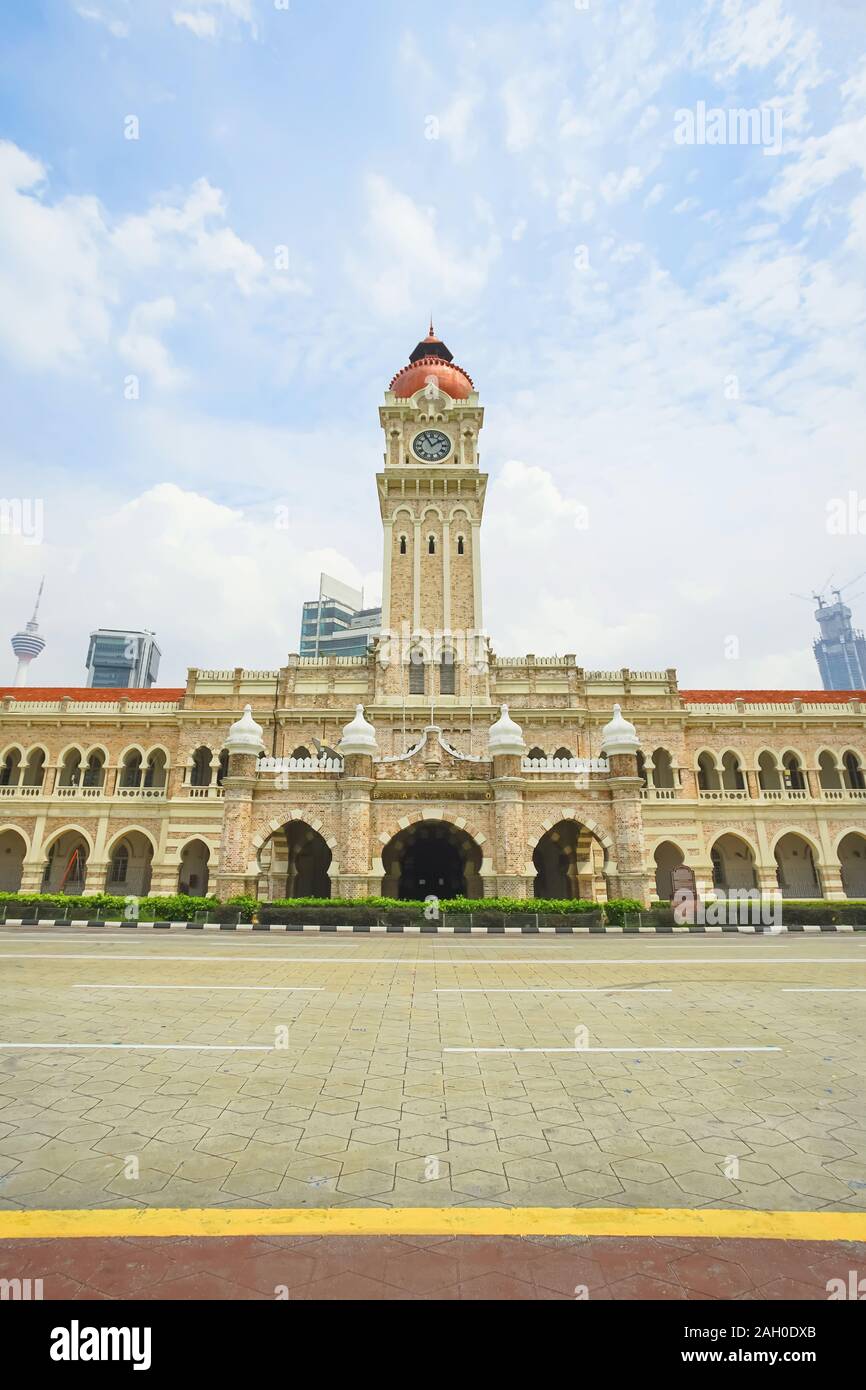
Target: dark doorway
(432, 859)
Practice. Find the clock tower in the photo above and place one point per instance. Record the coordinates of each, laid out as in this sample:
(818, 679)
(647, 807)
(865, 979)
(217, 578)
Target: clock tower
(431, 497)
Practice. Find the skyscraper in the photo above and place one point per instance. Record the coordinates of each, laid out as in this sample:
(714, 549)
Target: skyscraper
(29, 643)
(117, 658)
(337, 623)
(840, 651)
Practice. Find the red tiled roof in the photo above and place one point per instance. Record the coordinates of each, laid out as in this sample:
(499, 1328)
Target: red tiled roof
(770, 697)
(86, 692)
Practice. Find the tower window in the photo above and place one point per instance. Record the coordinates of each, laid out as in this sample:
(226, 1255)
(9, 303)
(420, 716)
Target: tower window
(402, 545)
(431, 545)
(446, 674)
(417, 684)
(461, 548)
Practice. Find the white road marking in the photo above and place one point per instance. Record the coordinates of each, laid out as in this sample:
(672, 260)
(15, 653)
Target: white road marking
(837, 990)
(137, 1047)
(553, 991)
(283, 989)
(577, 962)
(579, 1050)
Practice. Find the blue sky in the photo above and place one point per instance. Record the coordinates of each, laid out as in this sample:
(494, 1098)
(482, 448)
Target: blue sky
(668, 338)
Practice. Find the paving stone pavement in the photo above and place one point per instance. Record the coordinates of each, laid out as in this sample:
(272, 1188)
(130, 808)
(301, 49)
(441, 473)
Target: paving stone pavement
(431, 1268)
(354, 1101)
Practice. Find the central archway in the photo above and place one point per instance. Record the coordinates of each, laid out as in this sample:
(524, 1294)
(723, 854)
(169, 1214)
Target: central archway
(569, 862)
(432, 857)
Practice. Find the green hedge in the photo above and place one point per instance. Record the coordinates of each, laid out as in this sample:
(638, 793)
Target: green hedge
(493, 912)
(320, 911)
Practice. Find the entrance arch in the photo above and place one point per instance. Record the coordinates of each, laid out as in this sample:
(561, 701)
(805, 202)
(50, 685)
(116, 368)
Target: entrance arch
(130, 861)
(192, 876)
(569, 862)
(795, 862)
(65, 868)
(733, 861)
(13, 848)
(668, 857)
(852, 862)
(294, 862)
(432, 857)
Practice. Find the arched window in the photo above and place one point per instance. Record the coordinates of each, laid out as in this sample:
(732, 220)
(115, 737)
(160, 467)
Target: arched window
(732, 775)
(154, 773)
(10, 770)
(853, 771)
(301, 752)
(461, 546)
(70, 772)
(828, 772)
(402, 545)
(130, 772)
(417, 682)
(200, 773)
(94, 772)
(793, 772)
(768, 773)
(708, 775)
(563, 753)
(447, 673)
(119, 864)
(223, 768)
(536, 753)
(34, 772)
(431, 545)
(663, 774)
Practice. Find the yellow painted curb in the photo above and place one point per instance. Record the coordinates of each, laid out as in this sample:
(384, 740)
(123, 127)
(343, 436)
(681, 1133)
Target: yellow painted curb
(432, 1221)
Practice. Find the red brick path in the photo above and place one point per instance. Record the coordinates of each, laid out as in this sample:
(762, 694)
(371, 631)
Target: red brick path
(431, 1267)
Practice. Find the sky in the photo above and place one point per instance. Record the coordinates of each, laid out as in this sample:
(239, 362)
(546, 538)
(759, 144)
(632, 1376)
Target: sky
(224, 225)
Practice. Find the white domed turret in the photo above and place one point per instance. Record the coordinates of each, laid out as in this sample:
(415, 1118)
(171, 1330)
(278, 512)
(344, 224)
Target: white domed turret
(505, 737)
(619, 736)
(245, 736)
(358, 737)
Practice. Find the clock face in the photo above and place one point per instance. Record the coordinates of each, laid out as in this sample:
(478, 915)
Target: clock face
(431, 446)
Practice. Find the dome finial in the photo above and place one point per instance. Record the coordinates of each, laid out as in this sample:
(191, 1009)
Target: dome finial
(245, 735)
(505, 737)
(619, 736)
(359, 737)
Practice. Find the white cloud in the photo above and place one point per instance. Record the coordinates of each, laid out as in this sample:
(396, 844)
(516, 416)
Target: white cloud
(199, 22)
(118, 28)
(686, 205)
(209, 17)
(220, 588)
(67, 272)
(615, 188)
(141, 345)
(409, 259)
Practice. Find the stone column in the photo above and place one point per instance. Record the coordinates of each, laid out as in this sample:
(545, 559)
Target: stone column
(235, 848)
(813, 783)
(509, 839)
(244, 746)
(620, 745)
(831, 880)
(358, 748)
(625, 787)
(356, 785)
(753, 786)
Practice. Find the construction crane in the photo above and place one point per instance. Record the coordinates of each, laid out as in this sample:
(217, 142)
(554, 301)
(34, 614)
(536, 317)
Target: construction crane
(820, 595)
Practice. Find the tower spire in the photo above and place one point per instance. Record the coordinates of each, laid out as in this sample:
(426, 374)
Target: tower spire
(29, 642)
